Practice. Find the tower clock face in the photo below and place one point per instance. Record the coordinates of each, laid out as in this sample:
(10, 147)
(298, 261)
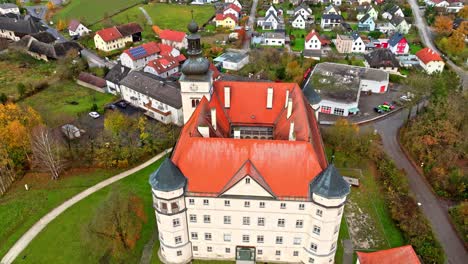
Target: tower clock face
(193, 87)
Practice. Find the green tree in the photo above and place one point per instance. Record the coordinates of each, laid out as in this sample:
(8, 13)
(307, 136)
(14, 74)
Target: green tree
(3, 98)
(21, 88)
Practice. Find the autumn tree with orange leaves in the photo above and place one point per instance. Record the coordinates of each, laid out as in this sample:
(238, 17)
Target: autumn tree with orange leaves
(443, 24)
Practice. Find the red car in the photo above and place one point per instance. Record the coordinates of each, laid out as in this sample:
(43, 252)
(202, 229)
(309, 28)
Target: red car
(392, 106)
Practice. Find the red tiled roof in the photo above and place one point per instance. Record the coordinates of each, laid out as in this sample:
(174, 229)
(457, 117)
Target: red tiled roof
(311, 34)
(165, 49)
(164, 64)
(215, 71)
(151, 48)
(224, 16)
(109, 34)
(172, 35)
(427, 55)
(234, 7)
(402, 255)
(210, 163)
(181, 58)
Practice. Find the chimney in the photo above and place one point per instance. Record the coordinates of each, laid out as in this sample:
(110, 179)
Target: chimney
(237, 133)
(204, 131)
(290, 102)
(292, 134)
(270, 98)
(287, 98)
(213, 118)
(227, 97)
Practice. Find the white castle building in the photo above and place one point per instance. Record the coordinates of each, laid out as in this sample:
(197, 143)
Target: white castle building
(248, 179)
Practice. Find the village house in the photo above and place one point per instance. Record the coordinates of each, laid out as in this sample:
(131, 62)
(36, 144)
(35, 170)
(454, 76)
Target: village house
(330, 21)
(366, 9)
(430, 61)
(160, 99)
(398, 44)
(175, 39)
(76, 29)
(313, 45)
(228, 21)
(366, 23)
(8, 8)
(350, 44)
(138, 57)
(232, 9)
(232, 60)
(91, 81)
(235, 2)
(163, 67)
(454, 7)
(273, 20)
(43, 46)
(274, 39)
(382, 59)
(335, 89)
(298, 22)
(363, 2)
(437, 3)
(331, 10)
(304, 11)
(404, 254)
(117, 37)
(400, 25)
(15, 27)
(392, 12)
(114, 76)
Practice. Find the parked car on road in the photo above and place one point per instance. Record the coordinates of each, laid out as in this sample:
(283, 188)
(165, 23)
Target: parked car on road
(382, 109)
(122, 104)
(94, 115)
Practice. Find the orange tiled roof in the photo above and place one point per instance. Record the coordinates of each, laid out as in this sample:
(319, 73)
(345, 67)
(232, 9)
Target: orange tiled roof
(427, 55)
(401, 255)
(287, 167)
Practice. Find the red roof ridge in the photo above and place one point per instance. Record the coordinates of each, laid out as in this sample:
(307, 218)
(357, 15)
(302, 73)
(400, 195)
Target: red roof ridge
(172, 35)
(427, 55)
(403, 254)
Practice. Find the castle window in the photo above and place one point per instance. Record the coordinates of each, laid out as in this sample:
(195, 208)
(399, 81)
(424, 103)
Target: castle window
(283, 205)
(227, 220)
(281, 222)
(207, 236)
(194, 235)
(317, 230)
(261, 221)
(227, 203)
(313, 247)
(336, 229)
(228, 250)
(295, 253)
(259, 252)
(311, 260)
(207, 219)
(174, 207)
(227, 237)
(297, 241)
(245, 238)
(299, 223)
(319, 212)
(191, 201)
(206, 202)
(195, 248)
(193, 218)
(262, 204)
(178, 239)
(246, 204)
(179, 253)
(260, 239)
(209, 249)
(333, 247)
(278, 253)
(246, 220)
(175, 222)
(247, 181)
(301, 206)
(279, 240)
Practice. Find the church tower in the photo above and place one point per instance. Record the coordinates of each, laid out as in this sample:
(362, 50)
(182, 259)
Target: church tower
(196, 80)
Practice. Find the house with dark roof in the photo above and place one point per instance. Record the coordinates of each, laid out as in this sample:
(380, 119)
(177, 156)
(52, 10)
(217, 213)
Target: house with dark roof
(303, 10)
(14, 27)
(273, 20)
(76, 29)
(400, 24)
(330, 21)
(398, 44)
(114, 76)
(404, 254)
(366, 23)
(382, 59)
(392, 11)
(298, 21)
(42, 46)
(117, 37)
(430, 61)
(158, 97)
(366, 9)
(8, 8)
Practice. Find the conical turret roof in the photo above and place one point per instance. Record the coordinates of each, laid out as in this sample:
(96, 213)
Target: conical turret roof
(330, 184)
(167, 177)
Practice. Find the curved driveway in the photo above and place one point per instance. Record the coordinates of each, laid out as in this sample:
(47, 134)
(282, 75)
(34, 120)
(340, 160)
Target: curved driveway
(24, 241)
(426, 38)
(438, 216)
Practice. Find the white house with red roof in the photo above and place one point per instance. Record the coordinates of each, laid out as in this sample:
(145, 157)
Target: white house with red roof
(117, 37)
(430, 61)
(248, 180)
(163, 67)
(232, 9)
(175, 39)
(404, 254)
(235, 2)
(138, 57)
(313, 41)
(75, 28)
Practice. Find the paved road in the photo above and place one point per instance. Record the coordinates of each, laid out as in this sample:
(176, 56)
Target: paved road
(24, 241)
(250, 23)
(431, 206)
(426, 37)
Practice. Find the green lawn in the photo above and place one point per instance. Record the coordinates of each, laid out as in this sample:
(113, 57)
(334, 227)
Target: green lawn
(21, 68)
(299, 41)
(415, 48)
(54, 105)
(20, 209)
(343, 235)
(62, 238)
(90, 11)
(177, 17)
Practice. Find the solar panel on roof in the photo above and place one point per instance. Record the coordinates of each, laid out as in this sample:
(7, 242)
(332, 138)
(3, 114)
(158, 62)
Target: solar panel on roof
(138, 52)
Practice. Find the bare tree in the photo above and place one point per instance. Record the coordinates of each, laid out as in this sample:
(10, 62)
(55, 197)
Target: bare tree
(47, 151)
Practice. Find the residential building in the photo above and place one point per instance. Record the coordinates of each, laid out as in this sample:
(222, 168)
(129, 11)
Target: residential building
(335, 88)
(382, 59)
(235, 2)
(91, 81)
(363, 2)
(226, 21)
(138, 57)
(15, 27)
(114, 76)
(42, 46)
(175, 39)
(438, 3)
(454, 7)
(76, 29)
(163, 67)
(233, 61)
(392, 12)
(274, 39)
(366, 9)
(366, 23)
(376, 43)
(303, 10)
(273, 20)
(330, 21)
(8, 8)
(350, 44)
(298, 22)
(398, 44)
(224, 205)
(313, 45)
(117, 37)
(232, 9)
(404, 254)
(430, 61)
(331, 10)
(160, 99)
(400, 24)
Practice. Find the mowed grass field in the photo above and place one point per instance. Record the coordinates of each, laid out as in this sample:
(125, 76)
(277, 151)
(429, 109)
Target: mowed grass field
(63, 239)
(55, 102)
(90, 11)
(20, 209)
